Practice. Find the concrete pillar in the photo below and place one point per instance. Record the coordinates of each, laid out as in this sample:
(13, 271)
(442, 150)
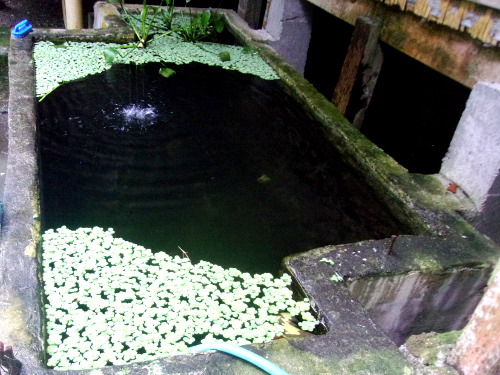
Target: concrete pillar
(473, 159)
(289, 22)
(73, 17)
(477, 351)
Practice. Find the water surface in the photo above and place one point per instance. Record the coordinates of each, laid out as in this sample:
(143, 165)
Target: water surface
(221, 164)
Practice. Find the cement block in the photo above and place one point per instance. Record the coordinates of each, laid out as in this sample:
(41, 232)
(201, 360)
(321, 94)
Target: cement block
(102, 11)
(473, 159)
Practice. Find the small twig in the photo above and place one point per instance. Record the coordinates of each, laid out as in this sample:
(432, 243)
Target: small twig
(391, 244)
(184, 253)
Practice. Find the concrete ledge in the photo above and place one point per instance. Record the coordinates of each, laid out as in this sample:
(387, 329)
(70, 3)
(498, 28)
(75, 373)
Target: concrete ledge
(408, 284)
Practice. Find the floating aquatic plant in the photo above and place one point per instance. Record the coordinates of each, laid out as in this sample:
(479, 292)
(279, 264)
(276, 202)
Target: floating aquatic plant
(57, 64)
(110, 301)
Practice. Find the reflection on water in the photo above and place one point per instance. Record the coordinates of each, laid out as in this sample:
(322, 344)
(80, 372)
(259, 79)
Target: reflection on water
(221, 164)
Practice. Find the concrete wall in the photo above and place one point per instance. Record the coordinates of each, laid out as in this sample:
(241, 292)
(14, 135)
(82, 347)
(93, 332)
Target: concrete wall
(408, 304)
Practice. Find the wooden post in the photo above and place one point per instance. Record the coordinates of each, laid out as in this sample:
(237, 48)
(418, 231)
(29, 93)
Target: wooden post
(72, 10)
(477, 351)
(360, 71)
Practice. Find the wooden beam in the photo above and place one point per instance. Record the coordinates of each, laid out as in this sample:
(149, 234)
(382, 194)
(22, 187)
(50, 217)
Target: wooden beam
(452, 53)
(360, 71)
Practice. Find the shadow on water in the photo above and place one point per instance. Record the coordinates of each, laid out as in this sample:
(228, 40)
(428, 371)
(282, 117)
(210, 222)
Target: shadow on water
(220, 163)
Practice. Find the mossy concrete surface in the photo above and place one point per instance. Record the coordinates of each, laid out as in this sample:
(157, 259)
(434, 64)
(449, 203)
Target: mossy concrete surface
(431, 347)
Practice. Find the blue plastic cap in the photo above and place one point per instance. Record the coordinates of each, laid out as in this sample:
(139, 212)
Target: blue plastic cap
(22, 29)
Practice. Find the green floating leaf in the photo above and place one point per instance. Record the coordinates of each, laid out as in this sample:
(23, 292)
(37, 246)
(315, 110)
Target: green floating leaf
(224, 56)
(166, 72)
(110, 55)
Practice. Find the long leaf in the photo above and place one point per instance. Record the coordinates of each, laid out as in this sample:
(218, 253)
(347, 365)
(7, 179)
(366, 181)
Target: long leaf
(144, 18)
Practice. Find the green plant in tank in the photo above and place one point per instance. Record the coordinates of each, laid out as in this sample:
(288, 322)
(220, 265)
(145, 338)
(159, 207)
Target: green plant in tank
(109, 301)
(143, 32)
(143, 29)
(190, 27)
(202, 26)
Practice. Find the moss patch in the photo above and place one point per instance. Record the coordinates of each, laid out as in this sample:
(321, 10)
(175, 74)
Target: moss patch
(431, 347)
(4, 36)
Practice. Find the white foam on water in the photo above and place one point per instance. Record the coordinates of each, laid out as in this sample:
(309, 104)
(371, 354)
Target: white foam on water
(137, 112)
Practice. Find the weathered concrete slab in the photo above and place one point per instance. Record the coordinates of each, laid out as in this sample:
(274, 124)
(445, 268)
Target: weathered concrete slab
(408, 284)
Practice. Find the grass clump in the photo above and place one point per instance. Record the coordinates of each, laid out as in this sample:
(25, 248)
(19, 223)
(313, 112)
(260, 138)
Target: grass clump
(111, 302)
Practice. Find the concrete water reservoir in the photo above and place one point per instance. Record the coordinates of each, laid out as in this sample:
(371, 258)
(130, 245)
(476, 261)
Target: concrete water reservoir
(352, 342)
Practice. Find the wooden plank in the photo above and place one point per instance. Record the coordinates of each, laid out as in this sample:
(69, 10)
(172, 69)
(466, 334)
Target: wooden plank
(402, 4)
(454, 14)
(360, 71)
(481, 18)
(421, 8)
(445, 5)
(486, 34)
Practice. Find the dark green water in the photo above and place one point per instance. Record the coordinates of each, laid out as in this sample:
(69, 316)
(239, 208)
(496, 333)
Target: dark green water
(222, 164)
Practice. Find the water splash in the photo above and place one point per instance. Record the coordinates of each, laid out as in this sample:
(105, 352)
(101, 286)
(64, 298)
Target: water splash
(134, 112)
(132, 117)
